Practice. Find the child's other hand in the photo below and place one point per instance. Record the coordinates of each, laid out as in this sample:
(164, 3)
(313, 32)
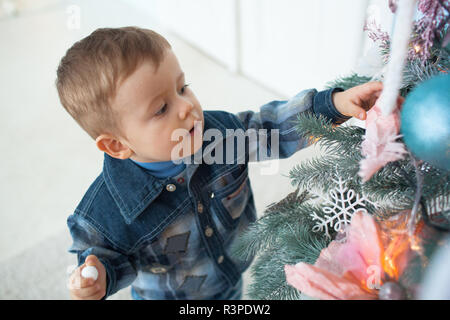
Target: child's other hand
(354, 102)
(87, 288)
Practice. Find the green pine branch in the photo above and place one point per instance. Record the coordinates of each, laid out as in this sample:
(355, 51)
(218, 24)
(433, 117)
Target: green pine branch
(347, 82)
(335, 139)
(265, 232)
(295, 244)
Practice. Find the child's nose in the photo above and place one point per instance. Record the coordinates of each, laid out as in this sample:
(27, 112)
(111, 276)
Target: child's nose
(185, 109)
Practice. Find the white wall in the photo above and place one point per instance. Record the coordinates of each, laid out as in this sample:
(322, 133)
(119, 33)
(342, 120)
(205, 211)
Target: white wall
(285, 45)
(208, 25)
(293, 45)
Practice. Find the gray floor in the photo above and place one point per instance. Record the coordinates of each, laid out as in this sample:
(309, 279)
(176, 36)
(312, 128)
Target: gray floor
(48, 161)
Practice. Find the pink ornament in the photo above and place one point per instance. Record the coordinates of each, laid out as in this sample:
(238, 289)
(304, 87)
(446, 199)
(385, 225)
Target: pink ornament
(356, 268)
(379, 146)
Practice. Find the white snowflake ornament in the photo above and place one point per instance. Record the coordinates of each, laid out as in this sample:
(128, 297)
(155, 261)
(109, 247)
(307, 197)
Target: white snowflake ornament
(339, 206)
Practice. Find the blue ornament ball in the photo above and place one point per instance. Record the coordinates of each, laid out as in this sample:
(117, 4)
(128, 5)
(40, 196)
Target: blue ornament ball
(425, 121)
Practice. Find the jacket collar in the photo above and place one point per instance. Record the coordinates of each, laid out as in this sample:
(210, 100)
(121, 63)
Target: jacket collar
(133, 188)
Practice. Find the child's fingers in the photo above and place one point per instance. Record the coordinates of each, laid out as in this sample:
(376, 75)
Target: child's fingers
(80, 283)
(85, 293)
(349, 104)
(364, 98)
(371, 88)
(91, 260)
(77, 281)
(96, 296)
(368, 93)
(354, 110)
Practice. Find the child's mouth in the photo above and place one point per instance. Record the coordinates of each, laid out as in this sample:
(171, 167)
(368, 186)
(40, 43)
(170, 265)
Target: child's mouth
(195, 128)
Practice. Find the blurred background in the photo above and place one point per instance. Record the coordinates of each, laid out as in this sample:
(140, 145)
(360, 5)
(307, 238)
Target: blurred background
(237, 55)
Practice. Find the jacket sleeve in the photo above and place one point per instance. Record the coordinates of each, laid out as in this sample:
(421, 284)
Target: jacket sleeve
(280, 140)
(87, 240)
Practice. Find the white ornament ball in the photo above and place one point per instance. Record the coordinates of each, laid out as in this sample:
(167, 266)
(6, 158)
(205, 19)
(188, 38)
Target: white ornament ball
(89, 272)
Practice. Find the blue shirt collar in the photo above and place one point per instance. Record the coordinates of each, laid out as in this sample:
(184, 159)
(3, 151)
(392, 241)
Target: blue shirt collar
(162, 169)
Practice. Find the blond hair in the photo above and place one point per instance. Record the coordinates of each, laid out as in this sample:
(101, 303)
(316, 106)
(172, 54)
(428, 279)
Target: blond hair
(92, 69)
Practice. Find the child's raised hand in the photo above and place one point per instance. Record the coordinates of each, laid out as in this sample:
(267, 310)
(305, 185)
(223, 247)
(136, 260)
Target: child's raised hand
(87, 288)
(354, 102)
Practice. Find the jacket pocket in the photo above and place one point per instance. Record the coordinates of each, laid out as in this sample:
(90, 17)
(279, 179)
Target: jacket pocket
(230, 197)
(235, 202)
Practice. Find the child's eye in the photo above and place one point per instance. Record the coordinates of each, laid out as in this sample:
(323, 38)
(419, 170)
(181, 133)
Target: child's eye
(164, 107)
(183, 88)
(162, 110)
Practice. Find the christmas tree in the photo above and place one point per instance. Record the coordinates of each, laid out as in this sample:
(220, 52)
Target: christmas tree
(348, 196)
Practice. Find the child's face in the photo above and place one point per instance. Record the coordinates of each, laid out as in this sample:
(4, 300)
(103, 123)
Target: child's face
(152, 106)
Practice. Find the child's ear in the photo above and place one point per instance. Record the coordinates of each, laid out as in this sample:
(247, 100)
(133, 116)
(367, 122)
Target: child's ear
(113, 147)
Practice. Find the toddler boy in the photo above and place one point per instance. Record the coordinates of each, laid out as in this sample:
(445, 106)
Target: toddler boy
(156, 218)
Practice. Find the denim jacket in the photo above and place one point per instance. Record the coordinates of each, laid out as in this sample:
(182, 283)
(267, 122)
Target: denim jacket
(170, 238)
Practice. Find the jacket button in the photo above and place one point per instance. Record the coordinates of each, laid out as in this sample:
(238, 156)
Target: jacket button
(212, 195)
(199, 207)
(209, 231)
(220, 259)
(171, 187)
(158, 269)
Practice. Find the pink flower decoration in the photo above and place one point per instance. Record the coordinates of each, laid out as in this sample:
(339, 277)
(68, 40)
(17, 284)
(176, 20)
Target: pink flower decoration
(344, 270)
(379, 146)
